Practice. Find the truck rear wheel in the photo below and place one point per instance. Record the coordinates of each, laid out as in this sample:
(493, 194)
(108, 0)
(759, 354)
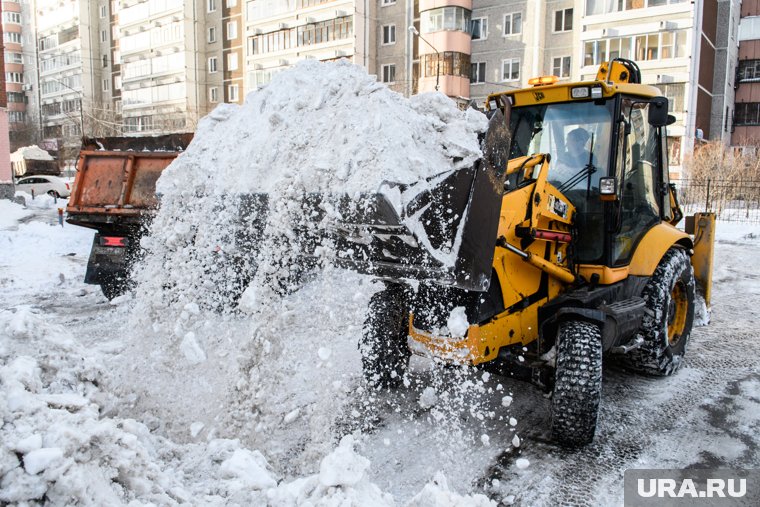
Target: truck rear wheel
(112, 288)
(384, 349)
(666, 328)
(578, 383)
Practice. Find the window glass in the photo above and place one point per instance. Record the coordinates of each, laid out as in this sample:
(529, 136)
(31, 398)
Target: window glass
(638, 177)
(577, 136)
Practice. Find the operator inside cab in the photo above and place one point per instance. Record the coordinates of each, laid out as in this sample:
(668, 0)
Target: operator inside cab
(576, 158)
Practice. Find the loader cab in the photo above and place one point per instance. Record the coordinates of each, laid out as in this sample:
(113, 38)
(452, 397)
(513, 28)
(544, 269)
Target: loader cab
(621, 135)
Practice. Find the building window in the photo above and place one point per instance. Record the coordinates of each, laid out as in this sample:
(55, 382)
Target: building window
(232, 61)
(448, 63)
(675, 94)
(389, 34)
(103, 11)
(304, 35)
(479, 28)
(16, 116)
(212, 34)
(213, 94)
(14, 77)
(12, 17)
(16, 37)
(231, 3)
(563, 20)
(561, 66)
(389, 73)
(105, 60)
(478, 73)
(106, 85)
(513, 23)
(232, 30)
(210, 5)
(653, 46)
(103, 35)
(510, 69)
(747, 113)
(384, 3)
(212, 64)
(14, 58)
(117, 82)
(233, 93)
(445, 18)
(749, 70)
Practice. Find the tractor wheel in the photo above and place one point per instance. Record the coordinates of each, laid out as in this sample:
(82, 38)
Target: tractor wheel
(384, 349)
(577, 384)
(666, 327)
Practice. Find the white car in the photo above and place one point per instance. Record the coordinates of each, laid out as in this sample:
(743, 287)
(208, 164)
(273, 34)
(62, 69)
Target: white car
(51, 185)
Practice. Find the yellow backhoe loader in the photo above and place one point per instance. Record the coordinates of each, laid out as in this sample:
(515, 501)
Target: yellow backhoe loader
(557, 249)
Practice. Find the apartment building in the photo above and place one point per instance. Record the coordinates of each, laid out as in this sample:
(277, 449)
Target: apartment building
(747, 107)
(19, 71)
(280, 32)
(161, 44)
(6, 179)
(397, 57)
(70, 71)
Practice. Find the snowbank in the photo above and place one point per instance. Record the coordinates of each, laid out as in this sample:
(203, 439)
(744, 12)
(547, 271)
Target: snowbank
(325, 127)
(30, 153)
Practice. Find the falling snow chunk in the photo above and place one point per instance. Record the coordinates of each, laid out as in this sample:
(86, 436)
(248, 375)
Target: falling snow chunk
(485, 439)
(457, 322)
(516, 441)
(512, 421)
(192, 349)
(428, 398)
(522, 463)
(291, 416)
(38, 460)
(324, 353)
(506, 401)
(196, 428)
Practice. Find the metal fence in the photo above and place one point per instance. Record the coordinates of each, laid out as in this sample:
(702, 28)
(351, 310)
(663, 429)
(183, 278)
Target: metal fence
(731, 200)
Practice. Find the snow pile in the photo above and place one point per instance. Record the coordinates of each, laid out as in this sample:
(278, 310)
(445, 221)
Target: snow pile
(30, 153)
(325, 127)
(59, 442)
(231, 335)
(10, 214)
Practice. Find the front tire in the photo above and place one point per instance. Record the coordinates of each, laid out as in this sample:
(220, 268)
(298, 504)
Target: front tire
(666, 327)
(384, 349)
(578, 383)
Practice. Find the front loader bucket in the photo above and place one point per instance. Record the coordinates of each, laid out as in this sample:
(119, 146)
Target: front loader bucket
(441, 230)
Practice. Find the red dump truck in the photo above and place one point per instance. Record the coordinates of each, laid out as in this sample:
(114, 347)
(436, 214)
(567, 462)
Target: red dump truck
(115, 194)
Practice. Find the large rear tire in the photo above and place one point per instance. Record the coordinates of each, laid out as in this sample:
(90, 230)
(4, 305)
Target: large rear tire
(384, 349)
(578, 383)
(113, 288)
(666, 327)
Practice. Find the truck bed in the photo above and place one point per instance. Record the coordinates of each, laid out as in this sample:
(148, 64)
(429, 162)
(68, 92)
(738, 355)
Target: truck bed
(116, 179)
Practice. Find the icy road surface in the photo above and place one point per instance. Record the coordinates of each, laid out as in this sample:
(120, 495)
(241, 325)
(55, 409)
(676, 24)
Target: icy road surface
(78, 425)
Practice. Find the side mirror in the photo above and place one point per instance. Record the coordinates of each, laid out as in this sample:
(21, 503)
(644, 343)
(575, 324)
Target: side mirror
(658, 112)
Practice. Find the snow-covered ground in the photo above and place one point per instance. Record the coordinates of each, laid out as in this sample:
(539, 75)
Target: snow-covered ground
(79, 427)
